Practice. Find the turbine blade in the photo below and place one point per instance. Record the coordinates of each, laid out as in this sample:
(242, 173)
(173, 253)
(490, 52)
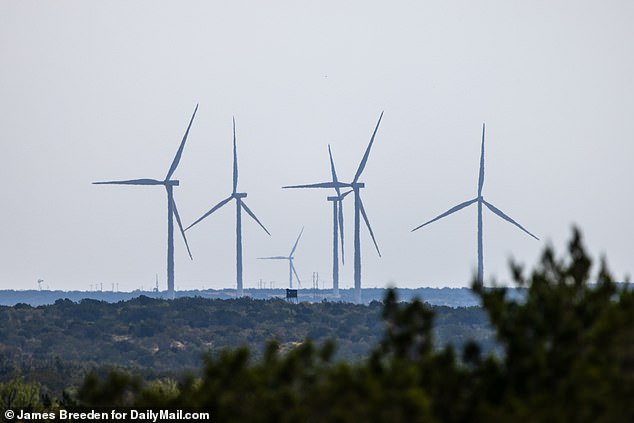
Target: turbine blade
(235, 159)
(132, 182)
(343, 258)
(333, 171)
(345, 194)
(367, 151)
(180, 226)
(248, 210)
(296, 241)
(367, 223)
(321, 185)
(299, 282)
(481, 177)
(448, 212)
(505, 217)
(177, 158)
(273, 258)
(213, 209)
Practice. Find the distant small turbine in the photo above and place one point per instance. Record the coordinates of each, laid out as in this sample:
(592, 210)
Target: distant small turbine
(359, 211)
(172, 211)
(240, 204)
(480, 200)
(291, 267)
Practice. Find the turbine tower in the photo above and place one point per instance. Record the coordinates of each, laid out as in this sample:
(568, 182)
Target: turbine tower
(240, 205)
(337, 225)
(291, 267)
(480, 200)
(172, 211)
(359, 211)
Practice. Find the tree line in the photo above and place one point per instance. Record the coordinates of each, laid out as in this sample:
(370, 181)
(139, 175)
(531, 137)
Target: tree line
(567, 354)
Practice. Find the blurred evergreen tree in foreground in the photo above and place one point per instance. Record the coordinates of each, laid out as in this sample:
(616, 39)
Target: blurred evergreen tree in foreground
(568, 356)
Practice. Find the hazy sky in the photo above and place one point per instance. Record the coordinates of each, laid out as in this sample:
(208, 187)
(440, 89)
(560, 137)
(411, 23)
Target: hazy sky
(104, 90)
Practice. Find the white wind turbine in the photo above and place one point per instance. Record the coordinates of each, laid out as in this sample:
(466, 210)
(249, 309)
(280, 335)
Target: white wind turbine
(480, 200)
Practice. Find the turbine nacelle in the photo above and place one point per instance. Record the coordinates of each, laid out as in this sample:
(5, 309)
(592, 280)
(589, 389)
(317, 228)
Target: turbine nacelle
(339, 197)
(239, 194)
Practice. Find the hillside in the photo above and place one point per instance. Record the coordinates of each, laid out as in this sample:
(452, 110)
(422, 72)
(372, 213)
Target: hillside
(452, 297)
(159, 337)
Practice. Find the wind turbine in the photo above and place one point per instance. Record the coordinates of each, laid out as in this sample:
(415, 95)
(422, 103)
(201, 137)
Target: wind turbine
(291, 267)
(359, 210)
(172, 211)
(480, 200)
(337, 225)
(240, 204)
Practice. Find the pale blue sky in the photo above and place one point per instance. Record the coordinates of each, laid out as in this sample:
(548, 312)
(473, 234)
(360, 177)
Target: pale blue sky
(104, 90)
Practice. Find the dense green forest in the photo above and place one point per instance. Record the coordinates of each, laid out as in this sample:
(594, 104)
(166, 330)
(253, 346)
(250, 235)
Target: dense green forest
(567, 354)
(57, 344)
